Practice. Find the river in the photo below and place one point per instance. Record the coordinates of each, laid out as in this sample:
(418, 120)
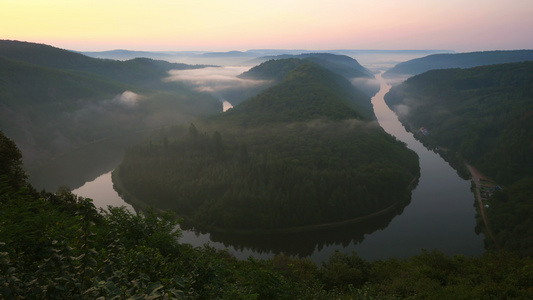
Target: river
(441, 215)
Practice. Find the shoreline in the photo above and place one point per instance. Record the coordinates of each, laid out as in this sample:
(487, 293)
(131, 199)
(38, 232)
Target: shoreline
(138, 204)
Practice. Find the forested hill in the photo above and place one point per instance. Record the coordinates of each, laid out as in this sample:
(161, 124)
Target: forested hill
(340, 64)
(485, 114)
(138, 71)
(305, 92)
(303, 153)
(457, 60)
(274, 70)
(51, 111)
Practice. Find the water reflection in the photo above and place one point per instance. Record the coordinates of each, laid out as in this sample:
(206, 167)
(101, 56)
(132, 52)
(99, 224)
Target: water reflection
(306, 243)
(102, 193)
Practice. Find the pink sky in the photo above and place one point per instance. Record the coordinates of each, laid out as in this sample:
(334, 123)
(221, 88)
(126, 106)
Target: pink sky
(466, 25)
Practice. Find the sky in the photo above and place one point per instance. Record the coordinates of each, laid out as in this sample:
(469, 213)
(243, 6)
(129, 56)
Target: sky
(205, 25)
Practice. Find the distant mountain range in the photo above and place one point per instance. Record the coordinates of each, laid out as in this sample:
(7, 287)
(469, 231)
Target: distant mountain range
(458, 60)
(250, 57)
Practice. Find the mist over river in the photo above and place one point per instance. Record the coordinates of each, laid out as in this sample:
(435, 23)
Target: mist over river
(441, 215)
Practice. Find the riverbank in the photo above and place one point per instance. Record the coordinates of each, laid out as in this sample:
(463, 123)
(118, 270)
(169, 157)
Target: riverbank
(136, 203)
(476, 178)
(141, 205)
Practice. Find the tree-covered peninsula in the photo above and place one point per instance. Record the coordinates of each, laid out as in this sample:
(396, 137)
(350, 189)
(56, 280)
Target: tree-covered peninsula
(305, 152)
(483, 116)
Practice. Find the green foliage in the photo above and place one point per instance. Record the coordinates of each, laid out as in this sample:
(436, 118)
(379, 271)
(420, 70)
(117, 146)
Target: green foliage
(509, 217)
(343, 270)
(48, 252)
(157, 230)
(433, 275)
(11, 162)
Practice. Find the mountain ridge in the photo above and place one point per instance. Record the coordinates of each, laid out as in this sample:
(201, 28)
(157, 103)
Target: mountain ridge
(138, 71)
(458, 60)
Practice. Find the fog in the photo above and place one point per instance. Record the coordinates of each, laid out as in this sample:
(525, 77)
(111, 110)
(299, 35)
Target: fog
(215, 79)
(401, 110)
(221, 82)
(128, 98)
(369, 86)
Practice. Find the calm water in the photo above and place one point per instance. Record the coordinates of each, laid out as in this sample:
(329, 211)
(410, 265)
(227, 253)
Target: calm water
(441, 215)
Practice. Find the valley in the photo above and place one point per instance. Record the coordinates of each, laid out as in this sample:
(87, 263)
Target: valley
(312, 170)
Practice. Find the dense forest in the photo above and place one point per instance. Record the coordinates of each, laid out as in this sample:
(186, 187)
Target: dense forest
(58, 246)
(457, 60)
(307, 151)
(483, 116)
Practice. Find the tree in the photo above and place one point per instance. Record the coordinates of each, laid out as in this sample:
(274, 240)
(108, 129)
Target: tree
(11, 162)
(193, 131)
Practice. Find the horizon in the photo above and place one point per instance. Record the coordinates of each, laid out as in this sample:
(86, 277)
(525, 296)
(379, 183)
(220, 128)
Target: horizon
(235, 25)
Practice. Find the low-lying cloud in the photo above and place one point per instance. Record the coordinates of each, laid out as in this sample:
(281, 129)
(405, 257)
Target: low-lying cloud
(401, 110)
(214, 79)
(128, 98)
(369, 86)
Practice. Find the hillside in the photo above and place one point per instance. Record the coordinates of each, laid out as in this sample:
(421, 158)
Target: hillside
(37, 101)
(305, 152)
(306, 92)
(52, 111)
(342, 65)
(457, 60)
(273, 71)
(482, 115)
(138, 71)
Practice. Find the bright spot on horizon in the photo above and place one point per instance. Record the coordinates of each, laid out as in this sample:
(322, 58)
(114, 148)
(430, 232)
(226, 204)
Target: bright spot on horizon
(275, 24)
